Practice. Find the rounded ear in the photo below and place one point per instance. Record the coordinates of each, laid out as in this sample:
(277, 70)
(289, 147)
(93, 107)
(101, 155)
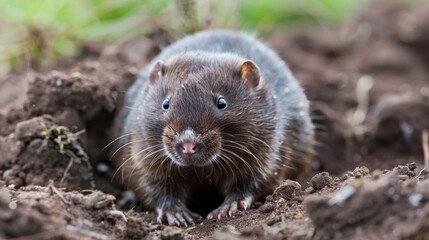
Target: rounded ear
(157, 71)
(250, 74)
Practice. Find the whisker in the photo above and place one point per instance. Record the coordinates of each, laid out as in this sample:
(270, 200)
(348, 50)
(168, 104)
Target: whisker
(218, 166)
(230, 160)
(224, 168)
(141, 160)
(132, 108)
(128, 159)
(162, 162)
(126, 144)
(221, 157)
(156, 159)
(169, 168)
(240, 158)
(243, 148)
(250, 136)
(116, 139)
(179, 168)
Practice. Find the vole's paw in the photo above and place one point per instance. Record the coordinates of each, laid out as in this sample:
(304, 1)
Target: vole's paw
(229, 208)
(183, 217)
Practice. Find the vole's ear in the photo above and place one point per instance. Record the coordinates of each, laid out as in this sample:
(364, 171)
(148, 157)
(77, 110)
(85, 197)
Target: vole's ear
(250, 74)
(157, 71)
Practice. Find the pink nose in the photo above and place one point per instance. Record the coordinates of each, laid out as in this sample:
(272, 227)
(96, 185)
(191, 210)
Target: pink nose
(189, 148)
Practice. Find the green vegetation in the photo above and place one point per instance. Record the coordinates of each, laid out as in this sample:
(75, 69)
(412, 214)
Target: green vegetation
(271, 14)
(190, 229)
(130, 211)
(89, 191)
(44, 30)
(66, 140)
(275, 230)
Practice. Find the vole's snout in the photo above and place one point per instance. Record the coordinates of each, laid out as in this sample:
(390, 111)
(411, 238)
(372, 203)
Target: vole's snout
(189, 148)
(189, 145)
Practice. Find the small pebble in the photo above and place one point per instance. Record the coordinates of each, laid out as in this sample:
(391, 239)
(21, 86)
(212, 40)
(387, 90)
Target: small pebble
(102, 168)
(415, 199)
(58, 82)
(8, 174)
(13, 205)
(76, 199)
(342, 195)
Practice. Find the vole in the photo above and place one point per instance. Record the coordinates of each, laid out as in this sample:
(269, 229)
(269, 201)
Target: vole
(217, 109)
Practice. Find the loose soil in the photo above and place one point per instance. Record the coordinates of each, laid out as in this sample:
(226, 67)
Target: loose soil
(364, 183)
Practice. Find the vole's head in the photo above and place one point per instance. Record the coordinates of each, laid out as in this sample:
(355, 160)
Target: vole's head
(205, 108)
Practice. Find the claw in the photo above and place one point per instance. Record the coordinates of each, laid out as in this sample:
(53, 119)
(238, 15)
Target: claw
(159, 219)
(188, 218)
(180, 218)
(223, 211)
(230, 208)
(211, 215)
(243, 205)
(233, 209)
(171, 219)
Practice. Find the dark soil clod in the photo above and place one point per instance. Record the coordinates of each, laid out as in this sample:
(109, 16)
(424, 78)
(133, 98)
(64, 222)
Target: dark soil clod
(321, 180)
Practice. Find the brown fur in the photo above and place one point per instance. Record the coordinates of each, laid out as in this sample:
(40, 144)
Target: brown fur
(245, 150)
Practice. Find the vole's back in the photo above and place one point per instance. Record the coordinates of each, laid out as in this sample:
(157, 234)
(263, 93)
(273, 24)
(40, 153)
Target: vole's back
(223, 41)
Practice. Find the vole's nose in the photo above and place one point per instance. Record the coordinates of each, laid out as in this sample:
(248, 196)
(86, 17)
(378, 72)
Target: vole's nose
(189, 148)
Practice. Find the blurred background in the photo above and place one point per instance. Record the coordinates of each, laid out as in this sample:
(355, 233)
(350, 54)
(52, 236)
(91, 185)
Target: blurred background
(46, 30)
(363, 64)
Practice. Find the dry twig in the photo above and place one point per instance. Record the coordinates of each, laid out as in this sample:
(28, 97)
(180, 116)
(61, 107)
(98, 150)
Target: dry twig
(66, 171)
(55, 190)
(425, 145)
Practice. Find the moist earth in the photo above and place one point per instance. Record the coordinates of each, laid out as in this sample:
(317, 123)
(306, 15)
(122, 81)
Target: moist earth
(367, 82)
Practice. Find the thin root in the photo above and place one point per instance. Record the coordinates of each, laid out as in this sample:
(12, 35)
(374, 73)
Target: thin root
(425, 146)
(118, 213)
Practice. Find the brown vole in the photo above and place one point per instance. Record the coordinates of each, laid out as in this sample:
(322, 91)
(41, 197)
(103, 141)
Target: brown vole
(215, 110)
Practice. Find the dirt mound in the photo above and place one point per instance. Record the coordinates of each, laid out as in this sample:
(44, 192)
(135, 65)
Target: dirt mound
(47, 212)
(34, 158)
(390, 206)
(370, 101)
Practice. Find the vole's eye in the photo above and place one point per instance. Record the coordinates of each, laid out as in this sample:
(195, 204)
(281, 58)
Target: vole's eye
(221, 103)
(166, 104)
